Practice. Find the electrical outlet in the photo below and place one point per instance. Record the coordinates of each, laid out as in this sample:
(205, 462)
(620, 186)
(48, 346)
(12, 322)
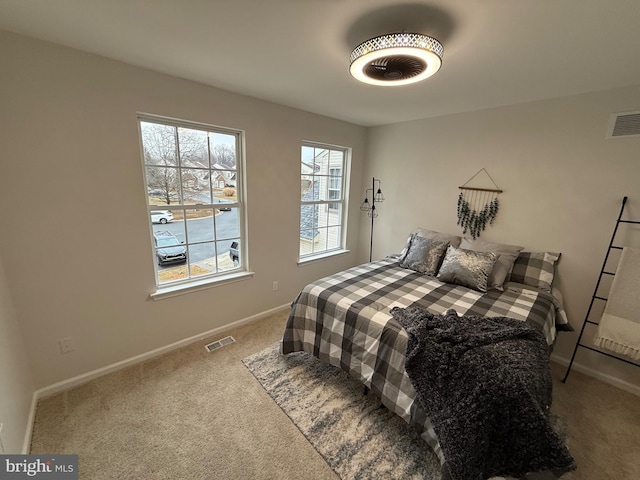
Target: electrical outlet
(275, 285)
(66, 345)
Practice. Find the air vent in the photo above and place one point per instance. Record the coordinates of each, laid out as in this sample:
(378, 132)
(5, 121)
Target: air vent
(624, 125)
(219, 343)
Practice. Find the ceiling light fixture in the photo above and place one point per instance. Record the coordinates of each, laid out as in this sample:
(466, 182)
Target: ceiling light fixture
(396, 59)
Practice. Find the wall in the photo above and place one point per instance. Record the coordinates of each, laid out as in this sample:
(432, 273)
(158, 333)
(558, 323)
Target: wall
(16, 382)
(563, 185)
(75, 240)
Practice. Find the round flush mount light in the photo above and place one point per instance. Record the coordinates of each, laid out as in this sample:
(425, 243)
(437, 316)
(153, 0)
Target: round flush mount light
(396, 59)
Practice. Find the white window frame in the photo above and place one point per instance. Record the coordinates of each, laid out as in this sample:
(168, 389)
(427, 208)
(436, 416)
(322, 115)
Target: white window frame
(329, 204)
(191, 283)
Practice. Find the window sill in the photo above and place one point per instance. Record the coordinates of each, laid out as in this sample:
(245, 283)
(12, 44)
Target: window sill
(320, 257)
(197, 285)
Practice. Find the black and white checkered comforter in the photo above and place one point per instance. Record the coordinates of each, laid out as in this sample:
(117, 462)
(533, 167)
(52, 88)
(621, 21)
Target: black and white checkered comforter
(345, 320)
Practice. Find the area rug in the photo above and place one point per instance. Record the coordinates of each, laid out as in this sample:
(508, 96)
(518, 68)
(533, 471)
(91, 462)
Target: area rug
(358, 437)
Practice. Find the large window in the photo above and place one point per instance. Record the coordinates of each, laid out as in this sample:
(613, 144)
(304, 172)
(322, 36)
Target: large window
(193, 185)
(322, 200)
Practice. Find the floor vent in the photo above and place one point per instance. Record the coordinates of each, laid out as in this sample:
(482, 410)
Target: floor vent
(219, 343)
(624, 125)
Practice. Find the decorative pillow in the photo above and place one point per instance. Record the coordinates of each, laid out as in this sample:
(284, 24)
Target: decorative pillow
(467, 268)
(453, 240)
(424, 255)
(405, 250)
(535, 269)
(507, 254)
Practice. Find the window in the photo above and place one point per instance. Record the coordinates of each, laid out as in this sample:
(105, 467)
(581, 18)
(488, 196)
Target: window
(322, 200)
(335, 186)
(193, 184)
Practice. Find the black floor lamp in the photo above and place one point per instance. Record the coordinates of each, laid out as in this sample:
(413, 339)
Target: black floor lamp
(370, 207)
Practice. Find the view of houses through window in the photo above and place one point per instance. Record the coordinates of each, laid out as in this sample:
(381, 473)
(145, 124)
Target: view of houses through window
(322, 199)
(192, 180)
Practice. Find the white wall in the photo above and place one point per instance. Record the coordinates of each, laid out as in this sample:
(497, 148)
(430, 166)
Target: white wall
(563, 185)
(16, 382)
(75, 239)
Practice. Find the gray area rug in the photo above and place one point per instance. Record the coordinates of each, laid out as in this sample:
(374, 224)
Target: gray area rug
(356, 436)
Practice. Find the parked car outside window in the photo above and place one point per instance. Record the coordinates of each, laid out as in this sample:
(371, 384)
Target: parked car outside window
(169, 249)
(225, 208)
(234, 253)
(161, 216)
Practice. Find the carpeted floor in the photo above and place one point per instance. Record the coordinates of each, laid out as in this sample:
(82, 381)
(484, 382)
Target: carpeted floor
(193, 415)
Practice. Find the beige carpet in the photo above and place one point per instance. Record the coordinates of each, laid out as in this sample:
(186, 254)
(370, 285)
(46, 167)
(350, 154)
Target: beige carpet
(191, 414)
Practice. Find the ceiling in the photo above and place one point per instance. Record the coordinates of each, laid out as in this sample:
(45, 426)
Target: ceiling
(296, 52)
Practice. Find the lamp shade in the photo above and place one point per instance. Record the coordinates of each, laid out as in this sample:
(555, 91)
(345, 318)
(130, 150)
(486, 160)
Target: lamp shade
(396, 59)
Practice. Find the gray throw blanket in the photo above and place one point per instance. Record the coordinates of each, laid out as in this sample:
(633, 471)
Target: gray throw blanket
(485, 383)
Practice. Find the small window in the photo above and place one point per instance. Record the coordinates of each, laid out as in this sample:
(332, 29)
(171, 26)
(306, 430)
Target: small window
(194, 201)
(322, 200)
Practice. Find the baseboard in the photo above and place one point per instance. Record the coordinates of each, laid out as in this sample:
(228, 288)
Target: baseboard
(603, 377)
(26, 445)
(86, 377)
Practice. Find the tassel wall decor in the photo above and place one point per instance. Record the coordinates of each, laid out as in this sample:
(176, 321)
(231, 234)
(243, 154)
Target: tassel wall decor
(477, 207)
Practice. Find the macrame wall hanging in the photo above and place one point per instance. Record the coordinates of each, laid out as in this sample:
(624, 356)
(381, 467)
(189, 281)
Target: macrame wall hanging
(477, 206)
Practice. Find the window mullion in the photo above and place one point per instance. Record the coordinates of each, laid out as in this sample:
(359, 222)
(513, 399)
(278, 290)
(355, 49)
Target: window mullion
(187, 244)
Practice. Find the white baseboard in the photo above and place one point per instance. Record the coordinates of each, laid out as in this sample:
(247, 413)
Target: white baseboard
(86, 377)
(26, 445)
(603, 377)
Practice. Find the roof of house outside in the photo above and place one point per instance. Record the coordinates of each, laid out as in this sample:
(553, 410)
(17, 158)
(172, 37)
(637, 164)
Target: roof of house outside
(309, 213)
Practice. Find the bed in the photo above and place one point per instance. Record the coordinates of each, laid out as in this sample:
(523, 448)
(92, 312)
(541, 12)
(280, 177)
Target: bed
(345, 319)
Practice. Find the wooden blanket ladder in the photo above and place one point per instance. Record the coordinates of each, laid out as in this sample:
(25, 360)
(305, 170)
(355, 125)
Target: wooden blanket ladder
(595, 297)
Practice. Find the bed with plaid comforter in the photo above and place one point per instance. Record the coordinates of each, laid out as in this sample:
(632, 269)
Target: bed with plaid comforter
(345, 320)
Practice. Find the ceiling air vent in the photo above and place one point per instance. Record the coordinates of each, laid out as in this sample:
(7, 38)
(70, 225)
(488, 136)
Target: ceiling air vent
(624, 125)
